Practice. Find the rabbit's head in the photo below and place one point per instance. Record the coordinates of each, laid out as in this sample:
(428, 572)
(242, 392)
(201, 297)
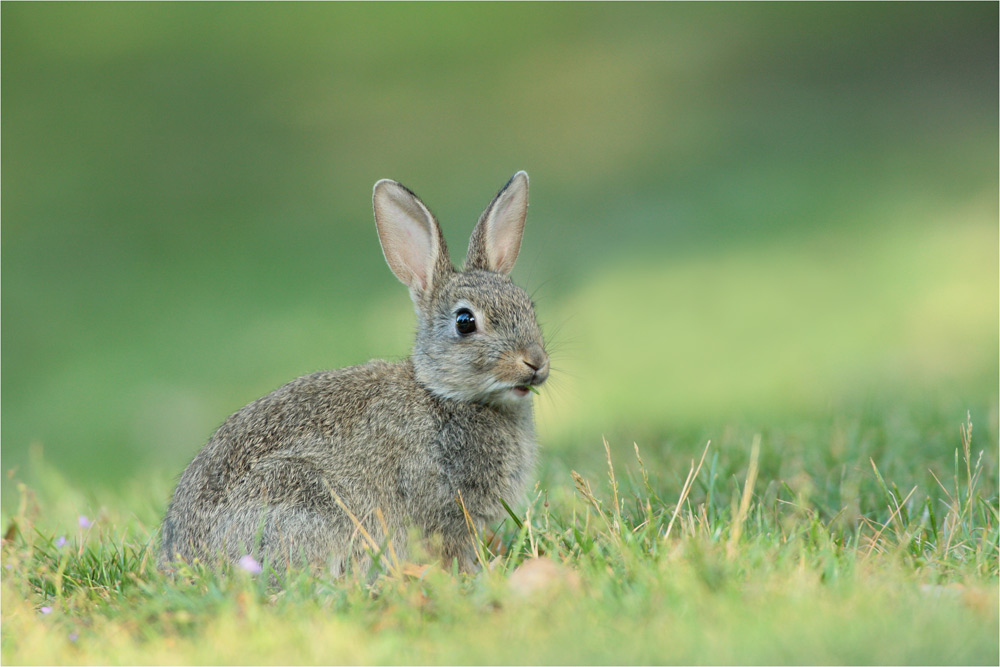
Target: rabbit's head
(477, 335)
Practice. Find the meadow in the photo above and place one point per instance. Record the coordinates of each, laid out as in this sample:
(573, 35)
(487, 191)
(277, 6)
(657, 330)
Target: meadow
(763, 246)
(737, 567)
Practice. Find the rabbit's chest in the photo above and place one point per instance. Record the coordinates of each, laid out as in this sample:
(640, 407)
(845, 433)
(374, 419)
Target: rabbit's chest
(487, 463)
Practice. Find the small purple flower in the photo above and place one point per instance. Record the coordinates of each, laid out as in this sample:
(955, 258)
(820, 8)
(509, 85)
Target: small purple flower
(249, 564)
(73, 636)
(61, 542)
(46, 610)
(85, 522)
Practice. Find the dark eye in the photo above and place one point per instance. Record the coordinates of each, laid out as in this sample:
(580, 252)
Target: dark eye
(465, 321)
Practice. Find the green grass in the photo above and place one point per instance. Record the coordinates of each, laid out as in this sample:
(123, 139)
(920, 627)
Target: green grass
(749, 223)
(733, 207)
(715, 561)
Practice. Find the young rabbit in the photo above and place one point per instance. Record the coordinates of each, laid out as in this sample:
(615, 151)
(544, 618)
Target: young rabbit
(395, 444)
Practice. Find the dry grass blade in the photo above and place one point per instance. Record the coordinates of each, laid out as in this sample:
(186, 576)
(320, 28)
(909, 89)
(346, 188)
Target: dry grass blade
(741, 514)
(614, 486)
(473, 533)
(895, 511)
(645, 483)
(966, 432)
(531, 535)
(642, 467)
(686, 489)
(397, 569)
(892, 517)
(951, 519)
(358, 526)
(583, 486)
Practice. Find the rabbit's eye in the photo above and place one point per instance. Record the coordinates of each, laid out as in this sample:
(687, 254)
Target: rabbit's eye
(465, 321)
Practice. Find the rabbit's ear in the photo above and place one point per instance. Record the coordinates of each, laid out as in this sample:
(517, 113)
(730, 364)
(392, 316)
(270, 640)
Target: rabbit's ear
(496, 239)
(410, 237)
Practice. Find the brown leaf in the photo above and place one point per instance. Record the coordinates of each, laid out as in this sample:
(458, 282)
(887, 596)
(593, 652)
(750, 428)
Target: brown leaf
(11, 532)
(415, 570)
(542, 574)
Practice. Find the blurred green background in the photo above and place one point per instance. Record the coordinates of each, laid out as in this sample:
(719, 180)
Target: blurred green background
(741, 214)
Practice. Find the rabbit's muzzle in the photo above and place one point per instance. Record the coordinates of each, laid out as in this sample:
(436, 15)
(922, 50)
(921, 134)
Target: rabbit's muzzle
(538, 362)
(534, 363)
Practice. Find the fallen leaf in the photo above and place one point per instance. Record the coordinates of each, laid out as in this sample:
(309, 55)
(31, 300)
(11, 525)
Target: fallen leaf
(542, 574)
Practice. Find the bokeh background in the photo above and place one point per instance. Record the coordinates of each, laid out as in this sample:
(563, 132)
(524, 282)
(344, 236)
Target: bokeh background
(741, 215)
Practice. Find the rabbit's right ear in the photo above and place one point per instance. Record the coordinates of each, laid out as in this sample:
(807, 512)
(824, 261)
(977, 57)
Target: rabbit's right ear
(496, 240)
(411, 239)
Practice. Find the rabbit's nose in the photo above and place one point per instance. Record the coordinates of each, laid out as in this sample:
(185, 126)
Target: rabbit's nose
(537, 361)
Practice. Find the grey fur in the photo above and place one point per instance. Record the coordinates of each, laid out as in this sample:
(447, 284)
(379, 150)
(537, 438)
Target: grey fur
(397, 440)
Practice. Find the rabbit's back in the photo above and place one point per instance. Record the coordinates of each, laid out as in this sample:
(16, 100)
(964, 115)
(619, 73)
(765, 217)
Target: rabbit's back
(322, 436)
(275, 479)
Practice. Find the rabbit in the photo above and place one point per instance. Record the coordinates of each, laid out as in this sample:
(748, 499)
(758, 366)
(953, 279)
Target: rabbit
(319, 470)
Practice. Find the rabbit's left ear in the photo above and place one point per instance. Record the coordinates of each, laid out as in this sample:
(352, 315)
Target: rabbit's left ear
(496, 239)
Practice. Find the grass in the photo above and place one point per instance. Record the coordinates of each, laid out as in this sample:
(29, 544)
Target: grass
(705, 565)
(768, 227)
(756, 203)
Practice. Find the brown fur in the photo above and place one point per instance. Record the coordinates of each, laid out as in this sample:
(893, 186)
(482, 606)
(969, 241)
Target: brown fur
(403, 440)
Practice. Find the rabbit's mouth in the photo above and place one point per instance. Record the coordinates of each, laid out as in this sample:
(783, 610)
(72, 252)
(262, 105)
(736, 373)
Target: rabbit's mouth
(523, 390)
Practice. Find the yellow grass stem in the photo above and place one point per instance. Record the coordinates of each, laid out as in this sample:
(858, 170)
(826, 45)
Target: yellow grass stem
(741, 514)
(892, 517)
(686, 489)
(397, 568)
(473, 533)
(614, 486)
(583, 486)
(359, 528)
